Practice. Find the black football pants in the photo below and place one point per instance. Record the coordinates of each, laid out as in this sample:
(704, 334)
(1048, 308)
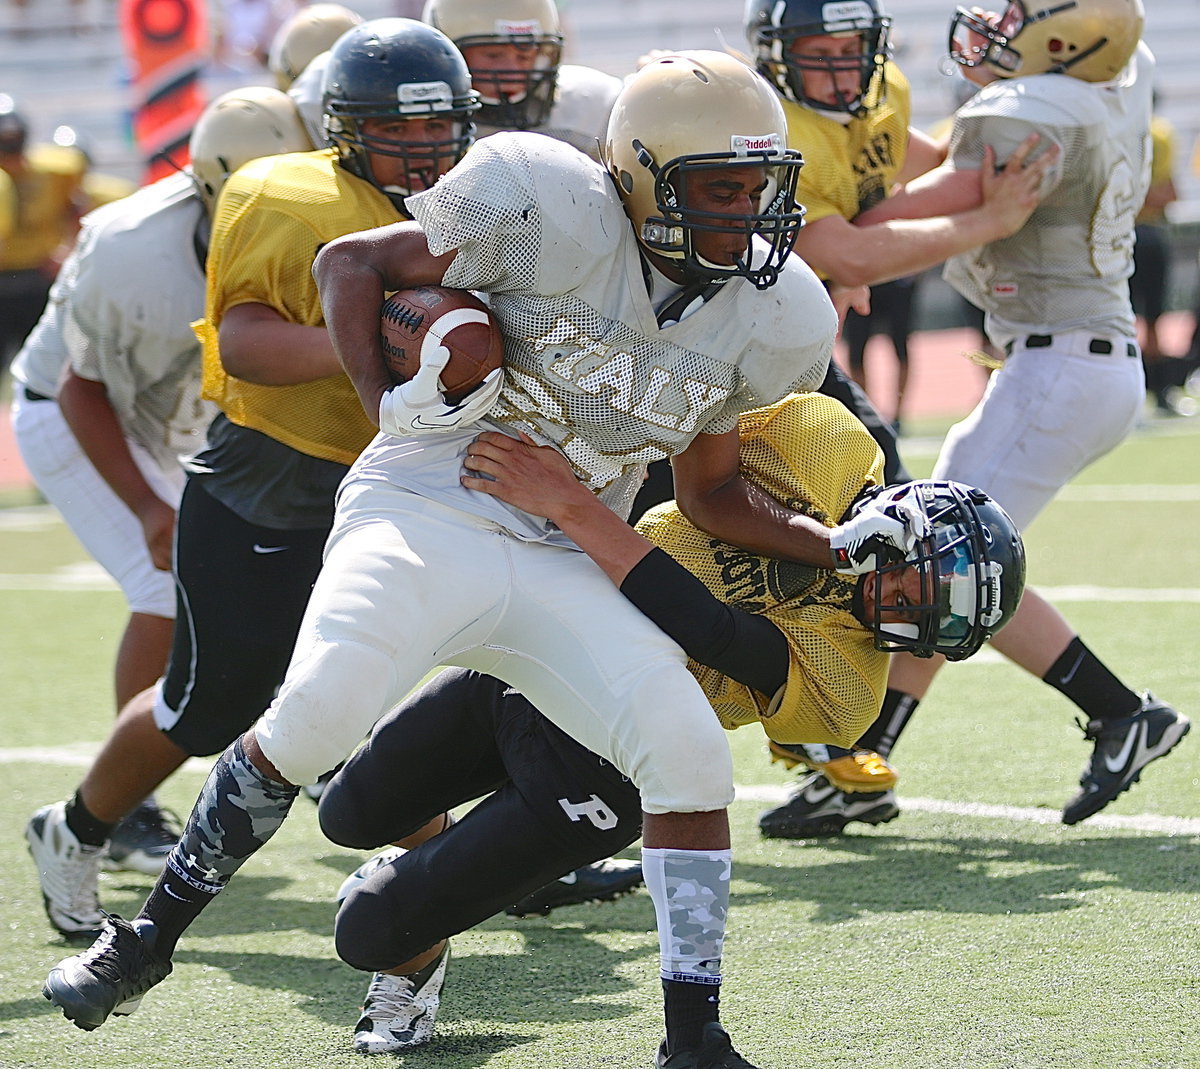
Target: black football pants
(551, 806)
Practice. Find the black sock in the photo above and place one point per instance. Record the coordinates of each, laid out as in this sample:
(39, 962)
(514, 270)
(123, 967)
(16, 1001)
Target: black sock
(688, 1008)
(87, 828)
(1082, 677)
(171, 907)
(897, 710)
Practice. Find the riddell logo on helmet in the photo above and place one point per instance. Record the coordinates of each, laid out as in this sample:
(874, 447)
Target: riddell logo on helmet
(423, 93)
(526, 28)
(845, 11)
(742, 145)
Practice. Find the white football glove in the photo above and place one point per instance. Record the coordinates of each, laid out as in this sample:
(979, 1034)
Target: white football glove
(419, 406)
(883, 531)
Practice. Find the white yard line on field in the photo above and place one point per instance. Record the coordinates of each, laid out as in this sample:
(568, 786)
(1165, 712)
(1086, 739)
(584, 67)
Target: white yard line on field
(80, 755)
(1027, 814)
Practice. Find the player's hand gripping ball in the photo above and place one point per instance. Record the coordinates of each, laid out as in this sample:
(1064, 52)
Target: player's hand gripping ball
(447, 327)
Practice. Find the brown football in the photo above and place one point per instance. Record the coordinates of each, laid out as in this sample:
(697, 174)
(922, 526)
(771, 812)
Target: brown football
(414, 319)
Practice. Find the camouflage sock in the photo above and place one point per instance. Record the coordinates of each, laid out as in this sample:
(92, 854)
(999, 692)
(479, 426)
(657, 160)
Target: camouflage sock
(238, 810)
(690, 891)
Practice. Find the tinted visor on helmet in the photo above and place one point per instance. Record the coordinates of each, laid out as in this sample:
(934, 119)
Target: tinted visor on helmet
(960, 595)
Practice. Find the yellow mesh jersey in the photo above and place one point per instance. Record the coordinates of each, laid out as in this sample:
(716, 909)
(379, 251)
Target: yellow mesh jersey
(848, 169)
(272, 218)
(48, 195)
(809, 452)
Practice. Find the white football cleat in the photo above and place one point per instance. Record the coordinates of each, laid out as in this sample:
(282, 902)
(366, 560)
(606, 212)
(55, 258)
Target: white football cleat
(399, 1011)
(68, 870)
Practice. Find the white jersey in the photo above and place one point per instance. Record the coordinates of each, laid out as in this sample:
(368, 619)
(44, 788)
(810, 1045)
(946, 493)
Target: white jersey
(583, 97)
(1067, 268)
(121, 311)
(540, 228)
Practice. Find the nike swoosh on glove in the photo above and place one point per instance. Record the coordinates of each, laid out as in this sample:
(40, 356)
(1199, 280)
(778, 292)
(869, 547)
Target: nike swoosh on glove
(419, 406)
(883, 531)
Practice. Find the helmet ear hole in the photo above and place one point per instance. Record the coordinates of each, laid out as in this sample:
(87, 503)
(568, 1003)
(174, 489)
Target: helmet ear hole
(625, 180)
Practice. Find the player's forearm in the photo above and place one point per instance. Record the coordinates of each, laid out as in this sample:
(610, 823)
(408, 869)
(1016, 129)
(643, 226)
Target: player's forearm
(747, 648)
(602, 535)
(94, 423)
(270, 351)
(353, 273)
(351, 296)
(743, 515)
(743, 646)
(908, 246)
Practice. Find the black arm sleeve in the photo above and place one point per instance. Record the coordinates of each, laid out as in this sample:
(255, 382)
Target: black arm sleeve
(742, 645)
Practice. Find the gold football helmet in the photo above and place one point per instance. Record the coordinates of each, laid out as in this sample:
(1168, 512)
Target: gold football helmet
(240, 126)
(303, 37)
(691, 111)
(514, 98)
(1091, 40)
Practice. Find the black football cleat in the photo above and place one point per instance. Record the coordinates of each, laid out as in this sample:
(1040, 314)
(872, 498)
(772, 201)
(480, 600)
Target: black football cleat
(110, 977)
(715, 1052)
(602, 882)
(1122, 749)
(818, 810)
(142, 841)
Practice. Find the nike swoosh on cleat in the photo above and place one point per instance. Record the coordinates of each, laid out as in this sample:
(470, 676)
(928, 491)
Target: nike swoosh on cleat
(1115, 765)
(269, 549)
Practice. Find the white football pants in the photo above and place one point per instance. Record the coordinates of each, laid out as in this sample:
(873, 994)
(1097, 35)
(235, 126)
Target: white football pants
(1046, 415)
(409, 584)
(96, 515)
